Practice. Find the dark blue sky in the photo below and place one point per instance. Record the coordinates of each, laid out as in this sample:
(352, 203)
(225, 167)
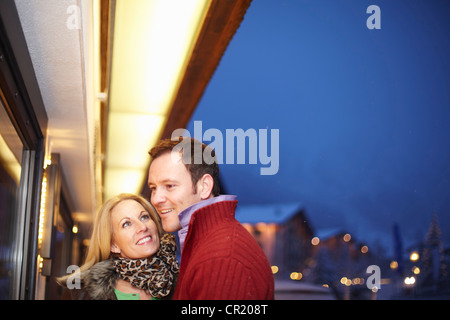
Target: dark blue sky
(363, 115)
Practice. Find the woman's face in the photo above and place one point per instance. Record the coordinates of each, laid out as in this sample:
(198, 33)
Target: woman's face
(135, 235)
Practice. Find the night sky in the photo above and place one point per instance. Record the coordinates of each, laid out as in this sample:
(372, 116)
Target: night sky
(363, 114)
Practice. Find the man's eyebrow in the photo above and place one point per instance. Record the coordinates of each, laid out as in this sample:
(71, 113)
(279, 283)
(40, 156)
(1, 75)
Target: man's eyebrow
(164, 181)
(169, 181)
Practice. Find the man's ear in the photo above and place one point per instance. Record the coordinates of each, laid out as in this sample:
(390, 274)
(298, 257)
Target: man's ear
(205, 185)
(115, 249)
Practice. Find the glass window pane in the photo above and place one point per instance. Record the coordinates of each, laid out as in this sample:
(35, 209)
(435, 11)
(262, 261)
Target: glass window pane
(11, 149)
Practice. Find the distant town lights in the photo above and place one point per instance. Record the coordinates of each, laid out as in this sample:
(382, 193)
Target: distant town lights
(274, 269)
(315, 241)
(296, 275)
(348, 282)
(410, 281)
(414, 256)
(416, 270)
(394, 265)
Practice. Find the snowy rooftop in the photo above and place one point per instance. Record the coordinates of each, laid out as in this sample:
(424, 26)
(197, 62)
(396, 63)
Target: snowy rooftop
(324, 234)
(267, 213)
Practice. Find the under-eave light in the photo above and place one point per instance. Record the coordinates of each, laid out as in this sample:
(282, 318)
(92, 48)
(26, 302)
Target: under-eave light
(153, 42)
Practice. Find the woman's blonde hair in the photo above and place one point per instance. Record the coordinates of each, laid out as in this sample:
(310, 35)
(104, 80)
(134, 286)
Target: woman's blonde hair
(100, 244)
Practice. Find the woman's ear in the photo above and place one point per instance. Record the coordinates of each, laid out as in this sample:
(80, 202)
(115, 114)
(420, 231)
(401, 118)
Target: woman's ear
(205, 185)
(115, 249)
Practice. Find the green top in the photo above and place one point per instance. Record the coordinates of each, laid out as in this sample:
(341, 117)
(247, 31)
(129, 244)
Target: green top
(128, 296)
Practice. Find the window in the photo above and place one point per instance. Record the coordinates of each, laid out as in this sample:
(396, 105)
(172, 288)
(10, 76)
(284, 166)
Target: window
(11, 149)
(23, 121)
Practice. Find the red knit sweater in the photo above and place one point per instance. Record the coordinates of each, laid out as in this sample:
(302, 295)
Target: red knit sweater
(221, 260)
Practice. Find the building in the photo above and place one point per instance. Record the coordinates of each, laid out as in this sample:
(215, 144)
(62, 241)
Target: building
(340, 262)
(325, 257)
(284, 233)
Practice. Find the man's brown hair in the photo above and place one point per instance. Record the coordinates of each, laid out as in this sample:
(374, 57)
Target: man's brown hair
(197, 167)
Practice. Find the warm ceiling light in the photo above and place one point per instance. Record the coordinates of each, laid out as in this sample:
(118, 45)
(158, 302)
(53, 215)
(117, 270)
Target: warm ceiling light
(153, 42)
(8, 161)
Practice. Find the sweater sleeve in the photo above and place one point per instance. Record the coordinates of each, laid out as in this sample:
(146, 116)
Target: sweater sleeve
(223, 279)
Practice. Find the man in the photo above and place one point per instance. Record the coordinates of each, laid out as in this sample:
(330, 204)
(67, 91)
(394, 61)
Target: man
(219, 258)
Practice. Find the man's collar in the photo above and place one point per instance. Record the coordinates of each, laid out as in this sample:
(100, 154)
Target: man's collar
(185, 215)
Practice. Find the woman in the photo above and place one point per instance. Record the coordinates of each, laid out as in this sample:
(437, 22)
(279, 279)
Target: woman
(128, 257)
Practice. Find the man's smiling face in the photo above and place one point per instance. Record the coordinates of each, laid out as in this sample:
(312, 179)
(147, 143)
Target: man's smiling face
(171, 189)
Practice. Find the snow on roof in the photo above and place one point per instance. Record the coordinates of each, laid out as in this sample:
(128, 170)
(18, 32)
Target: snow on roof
(267, 213)
(324, 234)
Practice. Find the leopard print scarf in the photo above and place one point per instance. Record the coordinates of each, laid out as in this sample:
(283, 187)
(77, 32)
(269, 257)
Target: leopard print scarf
(156, 274)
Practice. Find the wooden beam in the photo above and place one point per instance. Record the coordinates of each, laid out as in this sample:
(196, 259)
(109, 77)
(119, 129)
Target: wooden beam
(221, 23)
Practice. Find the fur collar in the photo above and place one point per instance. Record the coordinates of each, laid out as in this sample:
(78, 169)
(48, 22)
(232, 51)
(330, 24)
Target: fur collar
(100, 280)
